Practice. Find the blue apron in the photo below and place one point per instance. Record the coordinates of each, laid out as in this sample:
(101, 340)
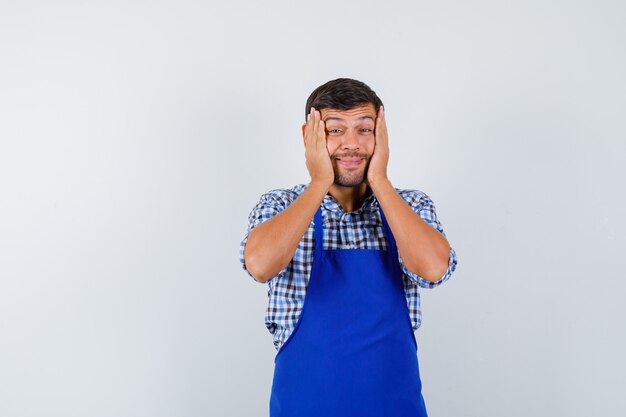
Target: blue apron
(353, 351)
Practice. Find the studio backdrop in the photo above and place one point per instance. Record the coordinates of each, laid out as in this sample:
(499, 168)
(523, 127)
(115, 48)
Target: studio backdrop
(135, 138)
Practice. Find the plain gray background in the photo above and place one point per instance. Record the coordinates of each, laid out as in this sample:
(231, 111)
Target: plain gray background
(137, 136)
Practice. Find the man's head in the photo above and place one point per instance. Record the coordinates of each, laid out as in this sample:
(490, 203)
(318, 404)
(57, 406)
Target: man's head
(342, 94)
(348, 108)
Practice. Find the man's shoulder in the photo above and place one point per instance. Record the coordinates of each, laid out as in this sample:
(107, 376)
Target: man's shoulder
(284, 196)
(412, 196)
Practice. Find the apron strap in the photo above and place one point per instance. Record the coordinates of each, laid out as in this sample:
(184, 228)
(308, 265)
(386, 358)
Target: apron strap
(319, 231)
(391, 242)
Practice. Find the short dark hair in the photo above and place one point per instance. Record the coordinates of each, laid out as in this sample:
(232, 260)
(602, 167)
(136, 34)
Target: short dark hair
(342, 94)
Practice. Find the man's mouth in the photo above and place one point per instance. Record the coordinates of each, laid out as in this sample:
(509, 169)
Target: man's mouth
(349, 162)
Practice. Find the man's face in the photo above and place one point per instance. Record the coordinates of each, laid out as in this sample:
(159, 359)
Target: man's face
(350, 142)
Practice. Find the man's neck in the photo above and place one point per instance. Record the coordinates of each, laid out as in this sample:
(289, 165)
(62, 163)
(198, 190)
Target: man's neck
(349, 198)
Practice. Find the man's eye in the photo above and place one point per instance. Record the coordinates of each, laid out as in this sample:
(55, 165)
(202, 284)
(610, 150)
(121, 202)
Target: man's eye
(334, 131)
(366, 130)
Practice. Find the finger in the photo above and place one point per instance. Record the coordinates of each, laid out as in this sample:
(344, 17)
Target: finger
(314, 126)
(310, 121)
(321, 136)
(319, 127)
(310, 124)
(381, 125)
(377, 127)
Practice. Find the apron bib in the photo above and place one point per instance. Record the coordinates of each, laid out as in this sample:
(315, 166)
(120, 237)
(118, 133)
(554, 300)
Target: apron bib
(352, 352)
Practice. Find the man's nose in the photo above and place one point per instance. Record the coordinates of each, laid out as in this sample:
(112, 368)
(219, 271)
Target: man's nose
(350, 139)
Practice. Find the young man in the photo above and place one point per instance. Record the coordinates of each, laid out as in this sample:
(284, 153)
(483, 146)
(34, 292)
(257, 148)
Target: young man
(344, 257)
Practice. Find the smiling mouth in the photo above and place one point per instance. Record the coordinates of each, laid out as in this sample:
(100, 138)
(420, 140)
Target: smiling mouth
(349, 162)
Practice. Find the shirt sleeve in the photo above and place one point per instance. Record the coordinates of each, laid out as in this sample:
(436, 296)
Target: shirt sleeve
(425, 208)
(268, 206)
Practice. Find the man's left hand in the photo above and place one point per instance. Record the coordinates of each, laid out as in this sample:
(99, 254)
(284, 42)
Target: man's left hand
(377, 170)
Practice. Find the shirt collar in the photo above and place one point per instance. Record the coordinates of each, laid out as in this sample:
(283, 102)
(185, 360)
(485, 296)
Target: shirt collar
(369, 203)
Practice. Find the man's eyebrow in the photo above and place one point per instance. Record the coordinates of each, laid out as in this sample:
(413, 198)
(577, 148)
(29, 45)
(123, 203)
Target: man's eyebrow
(343, 120)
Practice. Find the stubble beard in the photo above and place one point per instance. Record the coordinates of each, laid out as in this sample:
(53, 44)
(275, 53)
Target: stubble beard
(350, 178)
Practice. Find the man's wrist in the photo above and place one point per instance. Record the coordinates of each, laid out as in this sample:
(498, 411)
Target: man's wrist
(379, 185)
(319, 187)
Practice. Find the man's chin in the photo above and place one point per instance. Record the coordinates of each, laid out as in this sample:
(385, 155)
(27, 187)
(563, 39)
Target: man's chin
(349, 182)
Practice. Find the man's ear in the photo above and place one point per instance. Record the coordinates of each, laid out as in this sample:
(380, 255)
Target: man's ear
(303, 130)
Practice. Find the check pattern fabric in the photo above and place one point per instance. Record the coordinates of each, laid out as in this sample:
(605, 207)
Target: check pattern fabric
(360, 229)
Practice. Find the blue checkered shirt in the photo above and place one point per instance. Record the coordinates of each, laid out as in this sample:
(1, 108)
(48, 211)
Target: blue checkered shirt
(360, 229)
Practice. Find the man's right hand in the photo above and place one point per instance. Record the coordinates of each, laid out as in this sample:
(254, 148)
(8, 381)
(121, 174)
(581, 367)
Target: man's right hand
(316, 153)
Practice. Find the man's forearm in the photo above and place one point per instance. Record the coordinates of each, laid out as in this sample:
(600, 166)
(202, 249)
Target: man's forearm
(272, 244)
(424, 250)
